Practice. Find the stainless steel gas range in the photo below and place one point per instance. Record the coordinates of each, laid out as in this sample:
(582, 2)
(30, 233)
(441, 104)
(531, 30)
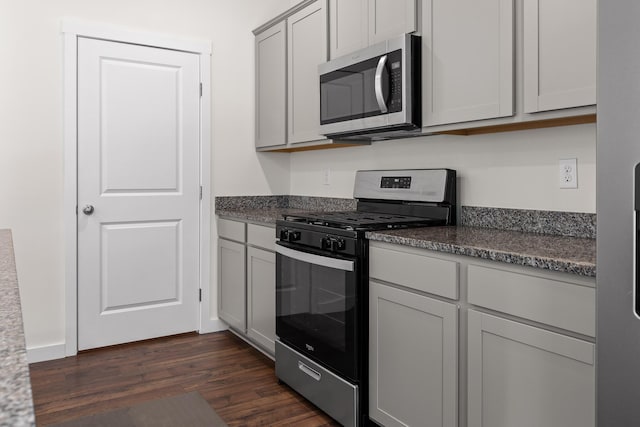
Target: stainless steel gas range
(322, 277)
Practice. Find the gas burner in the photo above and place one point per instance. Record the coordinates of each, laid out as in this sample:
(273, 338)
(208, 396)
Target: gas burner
(359, 220)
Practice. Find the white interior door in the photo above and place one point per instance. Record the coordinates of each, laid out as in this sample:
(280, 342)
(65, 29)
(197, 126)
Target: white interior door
(138, 168)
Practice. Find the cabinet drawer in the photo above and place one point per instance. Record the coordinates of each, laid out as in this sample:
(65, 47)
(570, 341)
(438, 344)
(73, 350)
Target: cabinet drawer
(414, 270)
(233, 230)
(259, 235)
(557, 303)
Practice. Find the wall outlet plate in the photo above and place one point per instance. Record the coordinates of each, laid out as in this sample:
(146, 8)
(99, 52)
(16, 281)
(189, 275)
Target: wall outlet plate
(326, 176)
(568, 173)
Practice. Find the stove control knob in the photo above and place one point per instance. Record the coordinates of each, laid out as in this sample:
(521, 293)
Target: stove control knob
(292, 236)
(337, 244)
(284, 234)
(333, 244)
(325, 243)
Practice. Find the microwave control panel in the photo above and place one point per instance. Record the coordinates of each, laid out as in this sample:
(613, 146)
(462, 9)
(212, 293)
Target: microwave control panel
(395, 81)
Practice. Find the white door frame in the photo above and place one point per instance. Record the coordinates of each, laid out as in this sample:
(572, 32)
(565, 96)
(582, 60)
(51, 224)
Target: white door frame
(71, 30)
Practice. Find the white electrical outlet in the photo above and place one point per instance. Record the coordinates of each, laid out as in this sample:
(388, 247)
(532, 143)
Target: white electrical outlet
(326, 176)
(568, 173)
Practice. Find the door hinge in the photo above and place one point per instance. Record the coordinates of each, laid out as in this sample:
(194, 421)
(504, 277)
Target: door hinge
(200, 90)
(200, 294)
(201, 192)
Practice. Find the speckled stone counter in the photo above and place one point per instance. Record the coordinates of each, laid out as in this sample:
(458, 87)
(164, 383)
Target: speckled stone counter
(557, 253)
(571, 224)
(16, 401)
(263, 216)
(550, 240)
(267, 209)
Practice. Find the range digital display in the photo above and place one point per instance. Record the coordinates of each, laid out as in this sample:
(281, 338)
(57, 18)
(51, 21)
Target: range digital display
(395, 182)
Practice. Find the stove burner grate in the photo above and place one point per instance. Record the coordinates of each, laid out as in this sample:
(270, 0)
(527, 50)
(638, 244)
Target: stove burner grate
(357, 220)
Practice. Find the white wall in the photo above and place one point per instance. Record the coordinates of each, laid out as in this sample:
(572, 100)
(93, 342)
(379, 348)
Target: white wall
(508, 170)
(31, 148)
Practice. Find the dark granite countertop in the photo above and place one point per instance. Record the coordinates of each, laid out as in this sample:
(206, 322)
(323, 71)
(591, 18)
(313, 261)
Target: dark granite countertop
(573, 255)
(16, 401)
(556, 241)
(267, 209)
(263, 216)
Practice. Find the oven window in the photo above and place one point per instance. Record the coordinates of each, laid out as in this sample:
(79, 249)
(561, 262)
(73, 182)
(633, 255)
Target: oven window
(317, 302)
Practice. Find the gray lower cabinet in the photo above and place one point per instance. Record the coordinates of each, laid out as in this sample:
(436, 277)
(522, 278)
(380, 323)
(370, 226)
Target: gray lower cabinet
(231, 283)
(461, 341)
(261, 297)
(521, 375)
(247, 281)
(413, 358)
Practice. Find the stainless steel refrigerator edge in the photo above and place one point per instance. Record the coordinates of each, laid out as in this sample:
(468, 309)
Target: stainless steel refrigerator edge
(617, 153)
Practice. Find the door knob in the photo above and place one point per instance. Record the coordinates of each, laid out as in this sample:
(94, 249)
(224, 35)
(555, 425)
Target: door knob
(87, 210)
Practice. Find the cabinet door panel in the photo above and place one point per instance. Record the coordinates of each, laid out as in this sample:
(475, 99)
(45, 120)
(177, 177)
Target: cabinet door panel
(261, 301)
(526, 376)
(347, 26)
(412, 358)
(467, 60)
(307, 48)
(262, 236)
(271, 86)
(415, 270)
(231, 230)
(390, 18)
(231, 284)
(559, 54)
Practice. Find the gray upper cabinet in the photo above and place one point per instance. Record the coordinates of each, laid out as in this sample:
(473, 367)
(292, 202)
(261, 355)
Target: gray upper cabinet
(306, 48)
(559, 54)
(355, 24)
(467, 60)
(348, 26)
(271, 81)
(390, 18)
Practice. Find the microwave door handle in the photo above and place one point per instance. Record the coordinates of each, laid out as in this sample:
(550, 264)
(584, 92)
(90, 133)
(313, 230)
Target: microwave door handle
(335, 263)
(378, 83)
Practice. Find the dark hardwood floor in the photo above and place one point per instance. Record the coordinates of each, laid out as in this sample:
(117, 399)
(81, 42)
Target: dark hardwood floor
(237, 380)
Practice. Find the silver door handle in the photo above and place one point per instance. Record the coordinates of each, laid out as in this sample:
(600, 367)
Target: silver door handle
(311, 372)
(378, 83)
(336, 263)
(88, 210)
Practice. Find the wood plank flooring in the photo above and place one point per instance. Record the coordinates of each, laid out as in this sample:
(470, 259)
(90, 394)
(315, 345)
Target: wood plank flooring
(237, 380)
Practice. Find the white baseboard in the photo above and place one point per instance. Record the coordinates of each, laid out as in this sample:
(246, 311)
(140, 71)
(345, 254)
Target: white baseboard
(58, 351)
(213, 325)
(46, 352)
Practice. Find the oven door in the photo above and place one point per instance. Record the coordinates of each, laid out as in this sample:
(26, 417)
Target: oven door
(317, 296)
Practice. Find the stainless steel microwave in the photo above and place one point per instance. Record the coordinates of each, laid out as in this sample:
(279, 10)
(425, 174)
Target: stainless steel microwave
(372, 93)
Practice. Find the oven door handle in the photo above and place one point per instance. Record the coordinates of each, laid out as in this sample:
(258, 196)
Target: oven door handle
(336, 263)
